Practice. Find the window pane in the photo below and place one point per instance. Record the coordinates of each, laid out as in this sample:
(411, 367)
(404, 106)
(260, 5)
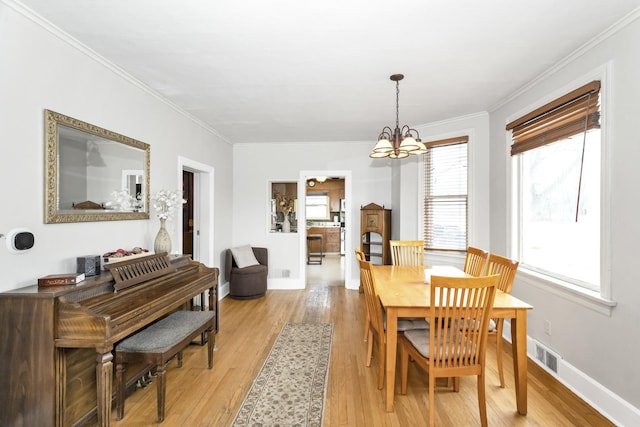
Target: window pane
(445, 197)
(448, 170)
(317, 207)
(552, 241)
(447, 223)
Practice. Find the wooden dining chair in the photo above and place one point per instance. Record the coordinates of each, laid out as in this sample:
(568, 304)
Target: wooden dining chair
(375, 326)
(360, 256)
(507, 269)
(455, 351)
(407, 252)
(474, 263)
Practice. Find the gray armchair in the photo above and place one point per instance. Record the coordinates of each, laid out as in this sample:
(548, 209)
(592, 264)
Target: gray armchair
(248, 282)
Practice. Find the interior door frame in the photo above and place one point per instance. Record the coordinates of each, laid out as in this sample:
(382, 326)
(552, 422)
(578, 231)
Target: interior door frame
(203, 209)
(302, 219)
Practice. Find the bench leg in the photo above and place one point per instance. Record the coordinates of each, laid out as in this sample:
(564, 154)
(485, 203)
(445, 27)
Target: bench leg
(180, 359)
(211, 339)
(161, 389)
(121, 384)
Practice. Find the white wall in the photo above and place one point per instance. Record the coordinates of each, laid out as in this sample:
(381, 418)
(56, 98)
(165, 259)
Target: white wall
(257, 164)
(602, 348)
(408, 187)
(39, 70)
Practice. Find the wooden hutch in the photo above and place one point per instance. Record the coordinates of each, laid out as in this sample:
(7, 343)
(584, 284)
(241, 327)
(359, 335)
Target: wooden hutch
(375, 233)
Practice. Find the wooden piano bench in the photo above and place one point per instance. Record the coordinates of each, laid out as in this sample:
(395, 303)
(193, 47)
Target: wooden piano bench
(158, 344)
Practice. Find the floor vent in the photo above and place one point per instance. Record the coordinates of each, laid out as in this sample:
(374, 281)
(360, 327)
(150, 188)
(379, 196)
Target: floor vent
(547, 358)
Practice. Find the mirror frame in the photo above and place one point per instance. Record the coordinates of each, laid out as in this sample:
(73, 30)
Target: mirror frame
(52, 215)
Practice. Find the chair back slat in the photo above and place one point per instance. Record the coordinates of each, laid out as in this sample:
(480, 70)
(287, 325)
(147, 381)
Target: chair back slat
(374, 306)
(407, 252)
(460, 319)
(506, 268)
(475, 261)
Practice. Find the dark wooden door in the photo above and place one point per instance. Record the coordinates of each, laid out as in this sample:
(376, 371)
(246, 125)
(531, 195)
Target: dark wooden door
(187, 212)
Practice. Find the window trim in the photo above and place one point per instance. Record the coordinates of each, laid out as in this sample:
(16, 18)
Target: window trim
(599, 301)
(463, 137)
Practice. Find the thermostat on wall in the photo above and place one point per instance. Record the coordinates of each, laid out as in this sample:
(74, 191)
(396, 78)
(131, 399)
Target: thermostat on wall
(19, 240)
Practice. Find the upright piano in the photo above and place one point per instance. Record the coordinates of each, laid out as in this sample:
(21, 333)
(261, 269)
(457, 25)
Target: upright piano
(56, 343)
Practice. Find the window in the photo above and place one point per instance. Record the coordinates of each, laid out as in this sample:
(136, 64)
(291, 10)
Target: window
(445, 194)
(282, 213)
(317, 206)
(557, 156)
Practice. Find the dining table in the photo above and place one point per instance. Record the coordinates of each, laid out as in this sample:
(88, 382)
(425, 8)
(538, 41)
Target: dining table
(404, 292)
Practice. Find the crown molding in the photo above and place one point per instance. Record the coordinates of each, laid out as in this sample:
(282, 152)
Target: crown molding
(76, 44)
(609, 32)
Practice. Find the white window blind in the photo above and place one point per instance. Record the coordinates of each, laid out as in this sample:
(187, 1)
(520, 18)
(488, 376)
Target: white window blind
(445, 194)
(317, 206)
(557, 154)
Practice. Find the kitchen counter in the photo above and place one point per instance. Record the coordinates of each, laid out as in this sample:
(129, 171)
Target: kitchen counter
(326, 225)
(330, 238)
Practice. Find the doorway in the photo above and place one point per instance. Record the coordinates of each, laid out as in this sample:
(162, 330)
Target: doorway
(187, 212)
(197, 215)
(324, 210)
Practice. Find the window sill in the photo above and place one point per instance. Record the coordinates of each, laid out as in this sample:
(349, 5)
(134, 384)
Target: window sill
(585, 297)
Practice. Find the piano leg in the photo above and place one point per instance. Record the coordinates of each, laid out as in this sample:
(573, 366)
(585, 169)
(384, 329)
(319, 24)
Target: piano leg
(104, 372)
(161, 387)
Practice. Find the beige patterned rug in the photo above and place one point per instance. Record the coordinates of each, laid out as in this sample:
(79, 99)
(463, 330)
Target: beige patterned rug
(290, 388)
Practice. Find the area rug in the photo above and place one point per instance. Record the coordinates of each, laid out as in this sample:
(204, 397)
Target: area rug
(291, 386)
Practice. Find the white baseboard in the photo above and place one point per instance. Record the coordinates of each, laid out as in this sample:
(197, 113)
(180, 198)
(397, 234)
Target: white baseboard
(353, 284)
(223, 290)
(617, 410)
(285, 283)
(609, 404)
(280, 283)
(293, 283)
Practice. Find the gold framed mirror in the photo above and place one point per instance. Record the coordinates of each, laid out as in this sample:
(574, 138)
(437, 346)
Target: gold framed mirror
(93, 174)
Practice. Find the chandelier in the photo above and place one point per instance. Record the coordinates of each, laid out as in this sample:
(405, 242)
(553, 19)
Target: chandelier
(398, 143)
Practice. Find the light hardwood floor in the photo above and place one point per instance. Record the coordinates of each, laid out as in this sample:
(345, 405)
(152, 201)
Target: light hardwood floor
(200, 397)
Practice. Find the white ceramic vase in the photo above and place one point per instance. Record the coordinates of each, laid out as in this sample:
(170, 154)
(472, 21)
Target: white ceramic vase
(163, 239)
(286, 225)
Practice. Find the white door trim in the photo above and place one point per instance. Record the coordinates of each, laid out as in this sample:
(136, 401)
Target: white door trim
(203, 204)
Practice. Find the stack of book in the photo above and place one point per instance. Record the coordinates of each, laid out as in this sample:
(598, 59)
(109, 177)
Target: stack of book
(61, 279)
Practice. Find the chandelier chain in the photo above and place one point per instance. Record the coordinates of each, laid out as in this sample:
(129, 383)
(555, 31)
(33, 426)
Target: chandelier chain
(397, 104)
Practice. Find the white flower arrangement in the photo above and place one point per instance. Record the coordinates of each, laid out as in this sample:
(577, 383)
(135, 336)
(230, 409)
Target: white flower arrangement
(166, 202)
(122, 200)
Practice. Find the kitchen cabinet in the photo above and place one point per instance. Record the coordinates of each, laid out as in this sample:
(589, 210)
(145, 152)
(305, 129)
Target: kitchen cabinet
(375, 231)
(286, 189)
(334, 197)
(330, 239)
(314, 244)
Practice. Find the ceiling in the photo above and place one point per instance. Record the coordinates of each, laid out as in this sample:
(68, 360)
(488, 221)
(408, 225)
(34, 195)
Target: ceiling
(301, 71)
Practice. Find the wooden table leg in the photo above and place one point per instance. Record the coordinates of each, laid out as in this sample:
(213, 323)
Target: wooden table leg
(392, 342)
(519, 343)
(104, 372)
